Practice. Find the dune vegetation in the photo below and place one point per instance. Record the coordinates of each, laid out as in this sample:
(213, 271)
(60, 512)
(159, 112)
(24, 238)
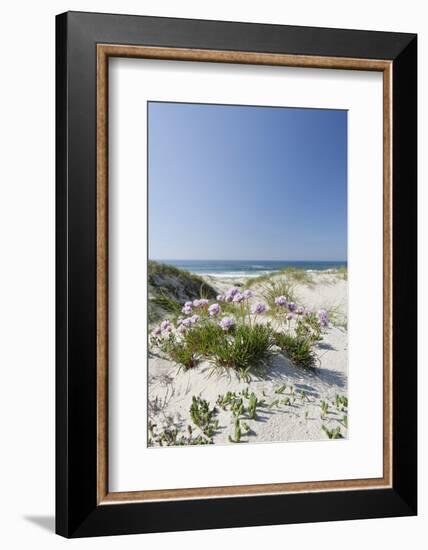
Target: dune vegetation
(168, 286)
(244, 338)
(224, 360)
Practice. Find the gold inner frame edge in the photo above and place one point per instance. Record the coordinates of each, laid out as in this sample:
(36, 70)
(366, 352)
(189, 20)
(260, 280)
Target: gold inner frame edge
(104, 51)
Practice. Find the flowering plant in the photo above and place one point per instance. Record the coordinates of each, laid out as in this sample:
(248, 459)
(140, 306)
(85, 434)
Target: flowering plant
(226, 323)
(214, 310)
(258, 308)
(240, 338)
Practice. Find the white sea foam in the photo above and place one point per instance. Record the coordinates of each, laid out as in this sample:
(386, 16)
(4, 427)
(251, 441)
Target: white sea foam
(234, 274)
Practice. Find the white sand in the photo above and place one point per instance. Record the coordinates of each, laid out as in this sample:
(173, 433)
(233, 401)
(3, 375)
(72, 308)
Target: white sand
(171, 389)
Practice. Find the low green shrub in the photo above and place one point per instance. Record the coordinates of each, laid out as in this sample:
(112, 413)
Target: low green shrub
(309, 328)
(242, 403)
(231, 333)
(204, 337)
(244, 347)
(170, 437)
(180, 352)
(297, 349)
(334, 433)
(203, 416)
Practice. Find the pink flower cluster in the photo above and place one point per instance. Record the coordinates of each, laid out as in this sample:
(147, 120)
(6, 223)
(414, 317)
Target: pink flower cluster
(163, 329)
(281, 301)
(226, 323)
(234, 295)
(293, 310)
(184, 324)
(323, 317)
(214, 310)
(188, 306)
(258, 308)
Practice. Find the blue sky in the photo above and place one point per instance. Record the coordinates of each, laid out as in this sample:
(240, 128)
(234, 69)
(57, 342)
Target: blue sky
(247, 183)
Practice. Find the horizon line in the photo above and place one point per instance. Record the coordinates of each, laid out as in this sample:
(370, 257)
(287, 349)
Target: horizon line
(236, 260)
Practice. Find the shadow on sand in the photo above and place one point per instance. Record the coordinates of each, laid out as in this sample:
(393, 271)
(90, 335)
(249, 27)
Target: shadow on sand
(282, 370)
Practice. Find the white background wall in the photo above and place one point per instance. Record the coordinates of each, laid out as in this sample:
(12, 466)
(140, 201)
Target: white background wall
(27, 88)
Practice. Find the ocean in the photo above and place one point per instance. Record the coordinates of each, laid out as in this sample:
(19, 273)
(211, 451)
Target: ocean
(250, 268)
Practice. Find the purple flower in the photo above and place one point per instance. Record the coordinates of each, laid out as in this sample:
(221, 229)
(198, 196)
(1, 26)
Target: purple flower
(323, 317)
(165, 325)
(194, 319)
(157, 331)
(220, 298)
(231, 292)
(290, 316)
(238, 298)
(291, 306)
(186, 322)
(300, 310)
(226, 323)
(258, 308)
(247, 294)
(182, 329)
(281, 301)
(187, 310)
(214, 309)
(188, 304)
(200, 303)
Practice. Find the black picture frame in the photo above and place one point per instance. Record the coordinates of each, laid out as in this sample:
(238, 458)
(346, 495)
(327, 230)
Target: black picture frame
(77, 511)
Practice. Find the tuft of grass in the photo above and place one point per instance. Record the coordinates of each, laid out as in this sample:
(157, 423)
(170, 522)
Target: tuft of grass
(194, 283)
(251, 281)
(342, 273)
(203, 338)
(169, 287)
(298, 350)
(180, 352)
(291, 275)
(298, 275)
(242, 348)
(309, 329)
(168, 304)
(246, 347)
(278, 287)
(170, 284)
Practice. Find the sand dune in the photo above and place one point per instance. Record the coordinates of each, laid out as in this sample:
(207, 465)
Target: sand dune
(171, 389)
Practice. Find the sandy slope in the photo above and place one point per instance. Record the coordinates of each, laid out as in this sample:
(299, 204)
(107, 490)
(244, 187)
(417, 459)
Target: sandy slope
(171, 390)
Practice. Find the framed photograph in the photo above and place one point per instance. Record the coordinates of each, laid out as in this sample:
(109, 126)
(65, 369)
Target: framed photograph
(236, 274)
